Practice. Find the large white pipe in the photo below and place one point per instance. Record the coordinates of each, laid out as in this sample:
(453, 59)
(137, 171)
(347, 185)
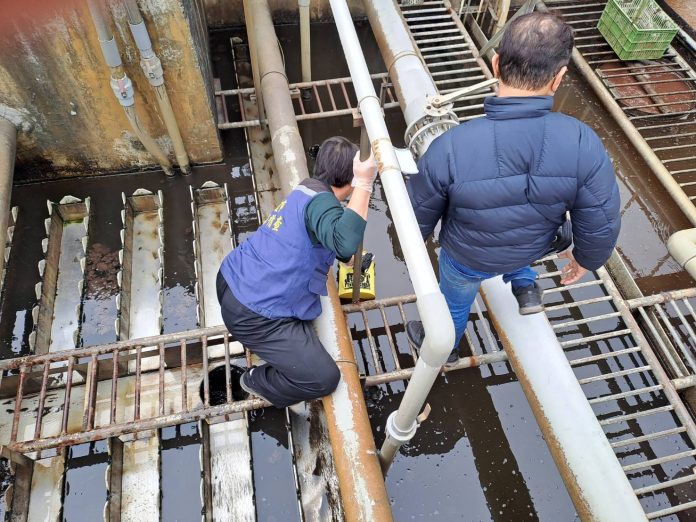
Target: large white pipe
(592, 474)
(437, 322)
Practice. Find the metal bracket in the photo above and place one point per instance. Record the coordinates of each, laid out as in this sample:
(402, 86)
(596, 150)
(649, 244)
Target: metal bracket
(423, 416)
(440, 104)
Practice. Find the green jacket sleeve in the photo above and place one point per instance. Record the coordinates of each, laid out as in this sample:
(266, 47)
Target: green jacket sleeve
(334, 227)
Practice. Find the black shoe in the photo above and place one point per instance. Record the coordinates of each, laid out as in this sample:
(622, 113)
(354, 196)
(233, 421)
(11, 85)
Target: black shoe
(416, 334)
(244, 383)
(529, 299)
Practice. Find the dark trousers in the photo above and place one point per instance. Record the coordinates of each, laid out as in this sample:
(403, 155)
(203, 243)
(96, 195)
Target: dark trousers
(297, 368)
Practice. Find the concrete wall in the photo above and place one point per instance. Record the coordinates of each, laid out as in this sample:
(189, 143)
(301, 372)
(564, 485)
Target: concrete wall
(222, 13)
(52, 69)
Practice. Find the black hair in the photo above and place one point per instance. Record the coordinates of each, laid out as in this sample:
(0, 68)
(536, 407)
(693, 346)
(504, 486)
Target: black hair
(334, 163)
(533, 49)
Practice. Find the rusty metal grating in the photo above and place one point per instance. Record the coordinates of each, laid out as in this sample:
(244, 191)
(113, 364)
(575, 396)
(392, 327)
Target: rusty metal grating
(635, 401)
(658, 97)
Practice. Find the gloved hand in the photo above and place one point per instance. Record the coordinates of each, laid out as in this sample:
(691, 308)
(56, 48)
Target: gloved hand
(364, 172)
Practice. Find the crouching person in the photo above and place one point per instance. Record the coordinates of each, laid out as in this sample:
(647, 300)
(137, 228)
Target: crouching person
(269, 286)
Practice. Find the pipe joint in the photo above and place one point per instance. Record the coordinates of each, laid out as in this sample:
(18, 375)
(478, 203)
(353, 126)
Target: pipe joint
(400, 435)
(19, 118)
(110, 52)
(123, 90)
(152, 67)
(303, 3)
(439, 329)
(142, 38)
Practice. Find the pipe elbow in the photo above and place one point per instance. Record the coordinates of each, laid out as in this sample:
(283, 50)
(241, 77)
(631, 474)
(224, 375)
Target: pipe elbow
(682, 247)
(439, 329)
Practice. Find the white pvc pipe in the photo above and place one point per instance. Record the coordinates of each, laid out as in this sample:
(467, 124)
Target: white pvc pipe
(437, 322)
(592, 474)
(682, 247)
(305, 41)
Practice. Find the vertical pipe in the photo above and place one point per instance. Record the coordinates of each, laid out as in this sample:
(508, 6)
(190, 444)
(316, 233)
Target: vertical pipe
(359, 475)
(8, 149)
(503, 10)
(121, 84)
(305, 41)
(437, 322)
(253, 55)
(152, 67)
(357, 259)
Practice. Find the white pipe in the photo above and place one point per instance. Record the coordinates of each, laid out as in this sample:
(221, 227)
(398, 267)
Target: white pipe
(503, 10)
(121, 83)
(152, 67)
(682, 247)
(437, 322)
(593, 476)
(8, 149)
(305, 41)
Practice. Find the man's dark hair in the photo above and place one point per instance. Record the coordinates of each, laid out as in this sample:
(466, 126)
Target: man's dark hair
(533, 49)
(334, 163)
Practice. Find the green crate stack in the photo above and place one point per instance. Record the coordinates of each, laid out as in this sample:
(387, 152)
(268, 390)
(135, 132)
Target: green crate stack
(636, 29)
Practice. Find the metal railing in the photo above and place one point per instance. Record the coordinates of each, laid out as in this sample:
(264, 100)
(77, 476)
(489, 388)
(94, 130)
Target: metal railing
(333, 97)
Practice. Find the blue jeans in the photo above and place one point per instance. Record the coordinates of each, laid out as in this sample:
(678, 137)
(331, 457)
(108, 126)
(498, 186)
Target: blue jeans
(460, 285)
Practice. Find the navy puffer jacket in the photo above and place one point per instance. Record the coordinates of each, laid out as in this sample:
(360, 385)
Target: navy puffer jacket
(502, 185)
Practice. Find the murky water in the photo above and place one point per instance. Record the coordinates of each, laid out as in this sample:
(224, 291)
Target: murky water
(480, 455)
(84, 489)
(180, 448)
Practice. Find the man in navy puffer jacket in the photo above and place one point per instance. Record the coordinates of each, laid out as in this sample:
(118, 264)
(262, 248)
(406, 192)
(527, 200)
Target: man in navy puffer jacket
(502, 184)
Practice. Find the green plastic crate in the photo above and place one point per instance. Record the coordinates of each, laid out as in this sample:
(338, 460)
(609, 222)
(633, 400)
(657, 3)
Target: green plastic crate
(636, 29)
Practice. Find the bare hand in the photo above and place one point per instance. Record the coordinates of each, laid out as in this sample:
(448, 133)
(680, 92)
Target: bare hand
(572, 272)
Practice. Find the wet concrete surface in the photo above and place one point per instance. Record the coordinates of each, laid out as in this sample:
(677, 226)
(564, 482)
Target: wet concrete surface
(480, 455)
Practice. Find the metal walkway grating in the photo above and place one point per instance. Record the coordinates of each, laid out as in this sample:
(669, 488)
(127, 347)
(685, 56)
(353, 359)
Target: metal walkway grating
(635, 402)
(658, 97)
(448, 53)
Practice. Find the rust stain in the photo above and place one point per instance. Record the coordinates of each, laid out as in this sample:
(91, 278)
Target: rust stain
(53, 68)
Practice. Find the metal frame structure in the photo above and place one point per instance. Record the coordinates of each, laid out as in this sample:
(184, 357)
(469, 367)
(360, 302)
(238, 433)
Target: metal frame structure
(342, 104)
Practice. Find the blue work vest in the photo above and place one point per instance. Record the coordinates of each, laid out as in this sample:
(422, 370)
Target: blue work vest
(278, 272)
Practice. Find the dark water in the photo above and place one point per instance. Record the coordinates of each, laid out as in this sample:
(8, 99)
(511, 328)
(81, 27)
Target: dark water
(84, 493)
(180, 472)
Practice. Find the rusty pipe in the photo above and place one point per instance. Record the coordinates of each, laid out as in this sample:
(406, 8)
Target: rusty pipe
(357, 467)
(8, 149)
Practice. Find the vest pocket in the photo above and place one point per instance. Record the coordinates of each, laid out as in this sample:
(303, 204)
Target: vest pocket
(317, 282)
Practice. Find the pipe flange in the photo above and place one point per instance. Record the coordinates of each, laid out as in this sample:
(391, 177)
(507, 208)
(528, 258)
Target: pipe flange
(417, 132)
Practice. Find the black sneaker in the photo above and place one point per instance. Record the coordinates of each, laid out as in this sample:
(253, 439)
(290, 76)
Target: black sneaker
(529, 299)
(247, 388)
(416, 334)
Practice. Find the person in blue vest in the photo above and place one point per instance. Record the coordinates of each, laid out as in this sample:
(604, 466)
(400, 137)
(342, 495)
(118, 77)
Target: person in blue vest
(269, 286)
(503, 184)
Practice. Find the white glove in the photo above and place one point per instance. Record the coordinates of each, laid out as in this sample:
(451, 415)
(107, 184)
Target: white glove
(364, 173)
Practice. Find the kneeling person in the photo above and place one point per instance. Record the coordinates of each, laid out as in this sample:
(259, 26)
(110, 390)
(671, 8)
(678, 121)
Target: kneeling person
(269, 286)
